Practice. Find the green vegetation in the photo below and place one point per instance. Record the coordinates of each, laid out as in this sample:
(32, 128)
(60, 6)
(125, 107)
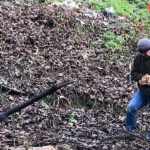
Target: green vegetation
(112, 40)
(10, 117)
(72, 118)
(112, 44)
(44, 101)
(78, 1)
(134, 10)
(95, 5)
(109, 40)
(96, 44)
(2, 81)
(19, 117)
(2, 100)
(120, 6)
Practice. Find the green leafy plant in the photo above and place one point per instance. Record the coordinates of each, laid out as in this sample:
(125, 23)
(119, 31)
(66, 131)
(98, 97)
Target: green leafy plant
(109, 35)
(132, 32)
(112, 44)
(2, 100)
(2, 81)
(119, 40)
(44, 101)
(113, 41)
(10, 117)
(20, 117)
(96, 44)
(72, 118)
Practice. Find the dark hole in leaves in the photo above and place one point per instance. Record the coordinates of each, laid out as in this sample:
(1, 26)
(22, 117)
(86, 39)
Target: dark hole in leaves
(50, 23)
(10, 41)
(46, 56)
(30, 41)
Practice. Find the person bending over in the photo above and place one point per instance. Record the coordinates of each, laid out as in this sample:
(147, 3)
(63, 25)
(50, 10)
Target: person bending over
(141, 74)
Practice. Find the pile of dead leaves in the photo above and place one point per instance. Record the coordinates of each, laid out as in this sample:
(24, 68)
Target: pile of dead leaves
(44, 44)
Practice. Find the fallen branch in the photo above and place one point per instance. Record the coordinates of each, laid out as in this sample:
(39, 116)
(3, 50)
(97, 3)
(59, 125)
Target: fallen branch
(35, 98)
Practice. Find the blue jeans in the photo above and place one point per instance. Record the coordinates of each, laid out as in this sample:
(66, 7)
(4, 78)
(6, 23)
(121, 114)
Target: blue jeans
(138, 101)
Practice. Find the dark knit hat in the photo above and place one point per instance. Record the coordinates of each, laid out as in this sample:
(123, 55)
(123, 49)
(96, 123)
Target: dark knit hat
(143, 45)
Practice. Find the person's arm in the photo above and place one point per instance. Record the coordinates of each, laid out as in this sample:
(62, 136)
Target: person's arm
(136, 75)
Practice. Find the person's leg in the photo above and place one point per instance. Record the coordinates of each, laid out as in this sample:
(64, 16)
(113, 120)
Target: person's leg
(137, 102)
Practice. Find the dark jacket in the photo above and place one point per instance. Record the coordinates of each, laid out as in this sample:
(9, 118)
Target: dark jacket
(141, 67)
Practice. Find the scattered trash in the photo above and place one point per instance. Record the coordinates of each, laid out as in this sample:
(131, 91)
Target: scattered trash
(148, 8)
(88, 16)
(108, 12)
(91, 13)
(68, 3)
(139, 27)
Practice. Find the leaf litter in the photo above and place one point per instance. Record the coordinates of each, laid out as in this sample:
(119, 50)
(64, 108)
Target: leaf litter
(44, 44)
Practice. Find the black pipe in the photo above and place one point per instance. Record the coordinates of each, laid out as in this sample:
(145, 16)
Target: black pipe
(4, 115)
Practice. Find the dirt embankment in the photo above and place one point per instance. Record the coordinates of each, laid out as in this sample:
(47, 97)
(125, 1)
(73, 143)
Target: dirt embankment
(42, 45)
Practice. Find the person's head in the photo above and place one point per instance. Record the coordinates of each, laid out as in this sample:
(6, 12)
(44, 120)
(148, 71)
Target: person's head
(143, 46)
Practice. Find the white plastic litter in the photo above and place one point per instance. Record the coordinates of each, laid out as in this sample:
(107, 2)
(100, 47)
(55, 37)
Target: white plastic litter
(68, 3)
(110, 10)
